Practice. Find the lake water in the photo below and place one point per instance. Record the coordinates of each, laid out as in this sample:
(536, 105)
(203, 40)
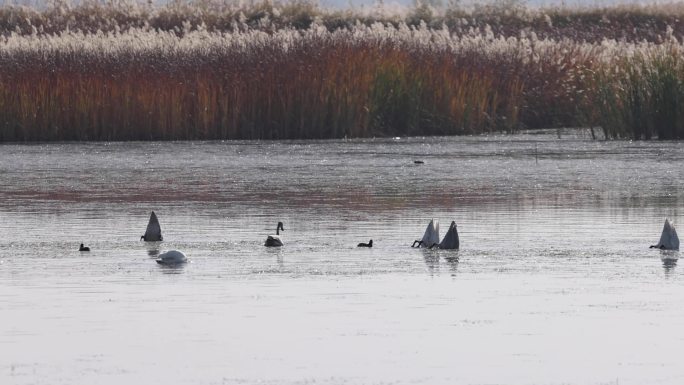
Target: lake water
(554, 282)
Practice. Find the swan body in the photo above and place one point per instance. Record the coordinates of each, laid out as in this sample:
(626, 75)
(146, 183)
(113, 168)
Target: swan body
(274, 240)
(369, 244)
(450, 240)
(83, 248)
(153, 231)
(172, 257)
(431, 236)
(668, 238)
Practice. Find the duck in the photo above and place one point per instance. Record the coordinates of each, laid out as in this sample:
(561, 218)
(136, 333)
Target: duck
(668, 238)
(83, 248)
(430, 237)
(369, 244)
(274, 240)
(153, 231)
(450, 240)
(172, 257)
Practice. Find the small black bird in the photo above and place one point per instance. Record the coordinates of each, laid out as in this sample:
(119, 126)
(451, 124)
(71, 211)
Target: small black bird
(83, 248)
(369, 244)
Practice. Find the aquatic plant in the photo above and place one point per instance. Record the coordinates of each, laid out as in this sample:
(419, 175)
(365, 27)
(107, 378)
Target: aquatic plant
(630, 22)
(210, 70)
(641, 93)
(143, 84)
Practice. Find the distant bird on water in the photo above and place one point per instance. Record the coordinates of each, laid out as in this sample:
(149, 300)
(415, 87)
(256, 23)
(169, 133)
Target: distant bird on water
(153, 231)
(668, 238)
(369, 244)
(274, 240)
(172, 257)
(83, 248)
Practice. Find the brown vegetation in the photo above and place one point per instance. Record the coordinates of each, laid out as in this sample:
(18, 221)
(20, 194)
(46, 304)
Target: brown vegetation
(212, 71)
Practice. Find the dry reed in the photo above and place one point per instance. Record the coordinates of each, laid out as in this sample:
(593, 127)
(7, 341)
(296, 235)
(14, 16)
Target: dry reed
(365, 81)
(276, 71)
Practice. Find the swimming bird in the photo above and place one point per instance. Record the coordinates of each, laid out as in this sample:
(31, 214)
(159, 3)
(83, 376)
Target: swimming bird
(369, 244)
(83, 248)
(274, 240)
(430, 237)
(668, 238)
(450, 240)
(172, 257)
(153, 231)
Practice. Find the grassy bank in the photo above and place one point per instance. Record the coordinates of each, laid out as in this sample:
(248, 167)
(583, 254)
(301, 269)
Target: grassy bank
(104, 72)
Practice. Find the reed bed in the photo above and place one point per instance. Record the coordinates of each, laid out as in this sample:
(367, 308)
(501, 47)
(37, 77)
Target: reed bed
(135, 72)
(641, 95)
(365, 81)
(506, 18)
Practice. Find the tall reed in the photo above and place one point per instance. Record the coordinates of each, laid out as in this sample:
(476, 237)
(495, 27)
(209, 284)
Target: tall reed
(220, 71)
(504, 17)
(366, 81)
(641, 93)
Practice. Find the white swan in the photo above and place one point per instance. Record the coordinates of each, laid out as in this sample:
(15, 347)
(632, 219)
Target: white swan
(172, 257)
(431, 236)
(450, 240)
(668, 239)
(274, 240)
(153, 231)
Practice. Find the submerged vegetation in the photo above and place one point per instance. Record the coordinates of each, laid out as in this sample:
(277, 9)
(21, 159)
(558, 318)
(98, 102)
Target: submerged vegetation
(207, 70)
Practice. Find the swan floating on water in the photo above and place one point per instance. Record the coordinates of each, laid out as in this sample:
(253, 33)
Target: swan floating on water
(369, 244)
(450, 240)
(668, 239)
(83, 248)
(431, 236)
(172, 257)
(153, 231)
(274, 240)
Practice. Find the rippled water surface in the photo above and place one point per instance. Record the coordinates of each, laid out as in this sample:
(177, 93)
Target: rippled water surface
(554, 282)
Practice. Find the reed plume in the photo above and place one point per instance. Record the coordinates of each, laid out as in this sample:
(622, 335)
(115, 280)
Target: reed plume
(292, 70)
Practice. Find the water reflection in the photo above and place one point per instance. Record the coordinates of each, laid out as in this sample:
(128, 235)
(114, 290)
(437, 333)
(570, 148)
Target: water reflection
(452, 261)
(153, 251)
(174, 268)
(278, 253)
(431, 258)
(669, 259)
